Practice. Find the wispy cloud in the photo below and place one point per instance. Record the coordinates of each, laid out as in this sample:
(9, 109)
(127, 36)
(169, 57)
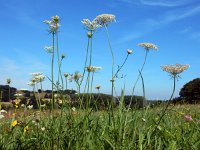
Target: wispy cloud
(18, 70)
(163, 3)
(24, 15)
(149, 24)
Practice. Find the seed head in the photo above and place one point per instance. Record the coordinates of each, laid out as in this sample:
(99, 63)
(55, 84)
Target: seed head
(48, 49)
(89, 34)
(66, 75)
(90, 25)
(148, 46)
(105, 19)
(129, 51)
(98, 87)
(63, 56)
(93, 68)
(53, 23)
(174, 70)
(8, 81)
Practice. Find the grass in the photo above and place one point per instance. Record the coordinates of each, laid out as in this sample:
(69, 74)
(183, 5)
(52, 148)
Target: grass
(117, 128)
(134, 129)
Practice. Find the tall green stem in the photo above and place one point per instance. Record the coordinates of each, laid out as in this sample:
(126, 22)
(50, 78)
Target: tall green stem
(164, 111)
(140, 71)
(58, 59)
(140, 74)
(86, 58)
(120, 67)
(52, 73)
(112, 79)
(113, 59)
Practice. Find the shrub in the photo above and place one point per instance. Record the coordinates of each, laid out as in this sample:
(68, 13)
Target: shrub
(191, 91)
(137, 101)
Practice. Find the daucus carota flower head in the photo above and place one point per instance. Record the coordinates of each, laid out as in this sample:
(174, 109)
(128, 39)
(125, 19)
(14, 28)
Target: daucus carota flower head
(3, 111)
(43, 128)
(89, 34)
(66, 75)
(129, 51)
(53, 23)
(97, 87)
(76, 76)
(105, 19)
(30, 106)
(1, 116)
(8, 81)
(93, 68)
(148, 46)
(48, 49)
(73, 109)
(31, 83)
(174, 70)
(36, 73)
(90, 25)
(188, 118)
(55, 19)
(37, 77)
(62, 56)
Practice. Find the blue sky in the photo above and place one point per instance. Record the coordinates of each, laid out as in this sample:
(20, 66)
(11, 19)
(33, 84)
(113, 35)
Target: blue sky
(173, 25)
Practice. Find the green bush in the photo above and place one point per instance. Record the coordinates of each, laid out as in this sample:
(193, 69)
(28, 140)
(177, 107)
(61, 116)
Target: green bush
(190, 92)
(137, 101)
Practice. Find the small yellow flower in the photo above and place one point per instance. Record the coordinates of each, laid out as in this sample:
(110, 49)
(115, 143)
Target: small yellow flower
(14, 123)
(26, 129)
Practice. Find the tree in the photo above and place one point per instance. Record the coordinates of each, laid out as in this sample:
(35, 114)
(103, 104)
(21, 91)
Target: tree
(191, 91)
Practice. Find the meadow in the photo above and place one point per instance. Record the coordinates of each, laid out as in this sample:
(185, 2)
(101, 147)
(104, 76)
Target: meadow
(79, 129)
(85, 126)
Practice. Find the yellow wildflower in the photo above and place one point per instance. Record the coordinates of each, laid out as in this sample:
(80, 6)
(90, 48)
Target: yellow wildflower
(25, 129)
(14, 123)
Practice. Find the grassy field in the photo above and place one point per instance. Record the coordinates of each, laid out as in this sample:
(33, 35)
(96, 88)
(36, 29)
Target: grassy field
(87, 129)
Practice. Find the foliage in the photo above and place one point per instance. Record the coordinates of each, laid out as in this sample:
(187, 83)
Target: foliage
(137, 101)
(78, 129)
(4, 93)
(191, 91)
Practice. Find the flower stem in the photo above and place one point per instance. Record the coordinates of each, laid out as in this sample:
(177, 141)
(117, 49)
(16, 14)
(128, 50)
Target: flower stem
(112, 80)
(86, 58)
(52, 74)
(140, 73)
(164, 111)
(113, 62)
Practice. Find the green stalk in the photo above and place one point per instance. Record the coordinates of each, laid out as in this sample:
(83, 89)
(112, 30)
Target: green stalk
(113, 62)
(164, 111)
(143, 88)
(112, 79)
(121, 66)
(140, 73)
(86, 58)
(58, 59)
(52, 73)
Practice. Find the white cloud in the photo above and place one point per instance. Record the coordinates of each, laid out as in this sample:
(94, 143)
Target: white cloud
(149, 24)
(19, 71)
(163, 3)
